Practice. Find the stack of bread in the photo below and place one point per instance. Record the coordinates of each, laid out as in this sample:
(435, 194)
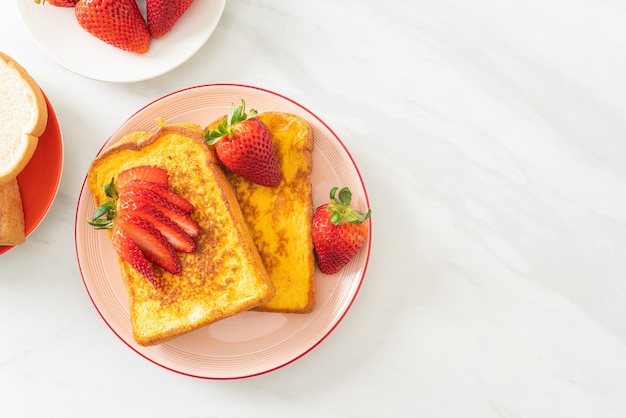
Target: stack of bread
(23, 119)
(253, 249)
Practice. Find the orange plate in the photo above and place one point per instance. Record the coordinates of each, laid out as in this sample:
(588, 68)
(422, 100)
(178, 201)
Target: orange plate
(40, 178)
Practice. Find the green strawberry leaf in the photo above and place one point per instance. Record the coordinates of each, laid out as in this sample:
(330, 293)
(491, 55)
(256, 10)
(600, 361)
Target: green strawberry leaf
(98, 218)
(341, 210)
(236, 114)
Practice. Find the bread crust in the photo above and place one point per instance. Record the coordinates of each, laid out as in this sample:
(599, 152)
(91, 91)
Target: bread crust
(11, 214)
(38, 124)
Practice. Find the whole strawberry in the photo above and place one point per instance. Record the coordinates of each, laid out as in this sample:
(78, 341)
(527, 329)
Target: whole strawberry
(244, 145)
(338, 231)
(162, 14)
(116, 22)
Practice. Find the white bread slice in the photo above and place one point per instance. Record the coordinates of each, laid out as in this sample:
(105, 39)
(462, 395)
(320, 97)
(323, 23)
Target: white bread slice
(11, 214)
(23, 117)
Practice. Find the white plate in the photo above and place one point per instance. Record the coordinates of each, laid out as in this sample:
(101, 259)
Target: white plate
(57, 32)
(249, 343)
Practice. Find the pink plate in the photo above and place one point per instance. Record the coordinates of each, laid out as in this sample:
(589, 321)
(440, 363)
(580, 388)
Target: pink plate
(39, 181)
(249, 343)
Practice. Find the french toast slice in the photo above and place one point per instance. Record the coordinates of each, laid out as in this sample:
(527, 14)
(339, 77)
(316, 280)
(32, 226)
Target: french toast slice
(280, 217)
(225, 274)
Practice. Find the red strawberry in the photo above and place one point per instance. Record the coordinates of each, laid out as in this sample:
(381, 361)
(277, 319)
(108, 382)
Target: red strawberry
(151, 242)
(59, 3)
(147, 173)
(163, 192)
(244, 145)
(130, 252)
(162, 14)
(170, 230)
(338, 231)
(133, 199)
(116, 22)
(145, 226)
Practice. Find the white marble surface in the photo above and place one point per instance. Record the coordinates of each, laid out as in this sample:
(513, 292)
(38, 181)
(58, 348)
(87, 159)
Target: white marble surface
(491, 137)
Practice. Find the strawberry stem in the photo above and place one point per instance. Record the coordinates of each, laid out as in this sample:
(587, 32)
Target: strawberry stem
(236, 114)
(341, 210)
(102, 217)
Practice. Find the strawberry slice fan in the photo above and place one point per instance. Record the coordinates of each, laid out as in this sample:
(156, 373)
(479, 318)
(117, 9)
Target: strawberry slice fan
(149, 223)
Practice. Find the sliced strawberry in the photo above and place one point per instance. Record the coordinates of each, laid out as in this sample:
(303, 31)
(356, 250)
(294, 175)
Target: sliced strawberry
(164, 192)
(130, 252)
(147, 173)
(184, 221)
(60, 3)
(133, 199)
(151, 242)
(170, 230)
